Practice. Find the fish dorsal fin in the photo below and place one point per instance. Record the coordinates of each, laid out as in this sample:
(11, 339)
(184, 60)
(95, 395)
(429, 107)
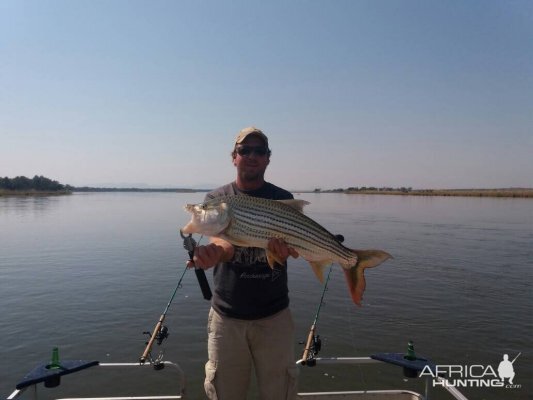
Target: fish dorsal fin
(298, 205)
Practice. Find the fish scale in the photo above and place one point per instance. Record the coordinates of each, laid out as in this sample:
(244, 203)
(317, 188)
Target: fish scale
(281, 221)
(248, 221)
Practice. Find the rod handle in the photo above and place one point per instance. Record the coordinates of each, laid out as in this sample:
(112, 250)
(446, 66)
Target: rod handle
(152, 339)
(204, 284)
(202, 279)
(308, 344)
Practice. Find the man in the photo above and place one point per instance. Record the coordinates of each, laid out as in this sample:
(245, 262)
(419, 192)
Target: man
(249, 323)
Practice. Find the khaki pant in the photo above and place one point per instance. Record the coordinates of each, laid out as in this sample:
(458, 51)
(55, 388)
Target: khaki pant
(235, 345)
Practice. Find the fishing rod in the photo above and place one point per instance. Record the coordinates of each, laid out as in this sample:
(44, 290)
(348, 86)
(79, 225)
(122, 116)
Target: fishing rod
(189, 244)
(314, 343)
(160, 332)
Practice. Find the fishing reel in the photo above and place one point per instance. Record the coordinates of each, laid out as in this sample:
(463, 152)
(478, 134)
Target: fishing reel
(314, 349)
(160, 336)
(317, 345)
(313, 345)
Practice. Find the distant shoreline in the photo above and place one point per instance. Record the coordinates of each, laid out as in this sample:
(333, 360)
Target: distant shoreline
(166, 190)
(32, 192)
(495, 193)
(501, 193)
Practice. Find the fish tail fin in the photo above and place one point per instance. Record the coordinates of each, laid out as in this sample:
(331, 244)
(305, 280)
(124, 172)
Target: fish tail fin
(355, 275)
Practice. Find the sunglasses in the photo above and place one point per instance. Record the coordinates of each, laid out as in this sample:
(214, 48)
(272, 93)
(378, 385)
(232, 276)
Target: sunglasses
(248, 150)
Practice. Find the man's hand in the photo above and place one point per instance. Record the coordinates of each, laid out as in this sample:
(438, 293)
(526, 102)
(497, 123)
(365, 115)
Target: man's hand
(219, 250)
(208, 256)
(280, 249)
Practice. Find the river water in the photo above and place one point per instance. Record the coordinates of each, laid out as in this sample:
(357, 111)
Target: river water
(90, 272)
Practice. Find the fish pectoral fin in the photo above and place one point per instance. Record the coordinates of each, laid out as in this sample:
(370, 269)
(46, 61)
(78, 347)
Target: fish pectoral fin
(319, 267)
(298, 205)
(273, 259)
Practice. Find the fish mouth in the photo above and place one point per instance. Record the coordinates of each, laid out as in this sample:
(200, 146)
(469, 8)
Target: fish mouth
(190, 208)
(190, 227)
(197, 211)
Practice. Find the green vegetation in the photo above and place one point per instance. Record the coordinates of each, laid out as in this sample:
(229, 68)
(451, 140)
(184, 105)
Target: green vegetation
(96, 189)
(36, 185)
(504, 192)
(40, 185)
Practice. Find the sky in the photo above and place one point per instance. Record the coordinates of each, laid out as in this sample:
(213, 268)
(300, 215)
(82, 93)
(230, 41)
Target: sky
(413, 93)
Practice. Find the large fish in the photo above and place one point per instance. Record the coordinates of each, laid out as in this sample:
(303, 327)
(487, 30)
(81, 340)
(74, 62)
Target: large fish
(248, 221)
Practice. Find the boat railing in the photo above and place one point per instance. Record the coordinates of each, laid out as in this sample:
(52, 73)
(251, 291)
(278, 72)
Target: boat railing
(31, 382)
(375, 394)
(31, 385)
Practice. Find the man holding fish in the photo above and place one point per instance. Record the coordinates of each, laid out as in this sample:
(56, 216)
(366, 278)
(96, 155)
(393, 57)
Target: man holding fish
(249, 322)
(254, 227)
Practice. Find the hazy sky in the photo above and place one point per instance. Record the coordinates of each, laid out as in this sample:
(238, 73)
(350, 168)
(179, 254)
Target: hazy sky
(427, 94)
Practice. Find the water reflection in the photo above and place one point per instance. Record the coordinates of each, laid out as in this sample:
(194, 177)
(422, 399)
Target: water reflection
(28, 206)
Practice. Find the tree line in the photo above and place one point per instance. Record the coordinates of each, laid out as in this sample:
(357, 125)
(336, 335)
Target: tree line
(37, 183)
(366, 189)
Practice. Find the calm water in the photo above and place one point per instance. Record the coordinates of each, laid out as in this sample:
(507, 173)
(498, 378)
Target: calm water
(90, 272)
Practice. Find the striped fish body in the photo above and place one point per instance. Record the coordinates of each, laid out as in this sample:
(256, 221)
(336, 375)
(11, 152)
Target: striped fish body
(251, 222)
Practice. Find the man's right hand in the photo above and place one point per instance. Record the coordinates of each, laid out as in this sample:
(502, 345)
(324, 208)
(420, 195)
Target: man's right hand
(206, 256)
(211, 254)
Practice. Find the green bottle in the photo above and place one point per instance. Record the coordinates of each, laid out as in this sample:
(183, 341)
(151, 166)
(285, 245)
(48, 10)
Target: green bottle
(410, 355)
(54, 364)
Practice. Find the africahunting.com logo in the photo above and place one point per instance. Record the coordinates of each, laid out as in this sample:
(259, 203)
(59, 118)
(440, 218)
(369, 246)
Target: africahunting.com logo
(474, 375)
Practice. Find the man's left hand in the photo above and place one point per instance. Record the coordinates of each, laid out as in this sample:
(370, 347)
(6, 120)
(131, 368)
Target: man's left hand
(281, 250)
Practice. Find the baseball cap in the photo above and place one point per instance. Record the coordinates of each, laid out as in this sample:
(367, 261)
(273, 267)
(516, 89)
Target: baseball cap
(251, 130)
